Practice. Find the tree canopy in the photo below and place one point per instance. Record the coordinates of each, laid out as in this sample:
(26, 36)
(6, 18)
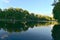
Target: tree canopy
(23, 15)
(56, 11)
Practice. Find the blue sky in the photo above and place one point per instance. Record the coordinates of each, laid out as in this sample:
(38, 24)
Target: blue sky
(36, 6)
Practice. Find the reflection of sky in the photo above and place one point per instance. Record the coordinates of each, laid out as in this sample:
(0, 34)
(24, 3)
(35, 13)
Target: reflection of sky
(3, 34)
(36, 33)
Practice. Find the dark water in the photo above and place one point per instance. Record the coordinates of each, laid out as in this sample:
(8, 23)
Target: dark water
(29, 31)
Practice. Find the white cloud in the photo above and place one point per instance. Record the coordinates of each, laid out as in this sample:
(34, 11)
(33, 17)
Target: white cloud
(6, 1)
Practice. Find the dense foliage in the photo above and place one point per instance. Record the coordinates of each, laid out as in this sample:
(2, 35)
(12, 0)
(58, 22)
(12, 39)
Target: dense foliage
(22, 15)
(56, 11)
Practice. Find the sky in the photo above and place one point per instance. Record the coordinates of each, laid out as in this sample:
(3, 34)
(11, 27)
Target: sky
(43, 7)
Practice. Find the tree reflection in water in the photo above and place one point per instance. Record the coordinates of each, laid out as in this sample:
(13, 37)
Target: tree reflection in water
(21, 26)
(56, 32)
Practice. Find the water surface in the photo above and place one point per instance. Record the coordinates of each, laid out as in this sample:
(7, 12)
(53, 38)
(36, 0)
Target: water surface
(26, 31)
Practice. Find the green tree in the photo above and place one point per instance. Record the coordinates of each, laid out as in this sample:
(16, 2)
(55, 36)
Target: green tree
(56, 11)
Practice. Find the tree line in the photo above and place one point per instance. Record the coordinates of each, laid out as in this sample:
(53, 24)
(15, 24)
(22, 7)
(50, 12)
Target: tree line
(20, 14)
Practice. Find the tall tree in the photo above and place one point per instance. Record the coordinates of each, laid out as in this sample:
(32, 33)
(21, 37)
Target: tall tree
(56, 11)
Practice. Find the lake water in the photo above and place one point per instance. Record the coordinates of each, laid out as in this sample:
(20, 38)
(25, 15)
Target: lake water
(27, 31)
